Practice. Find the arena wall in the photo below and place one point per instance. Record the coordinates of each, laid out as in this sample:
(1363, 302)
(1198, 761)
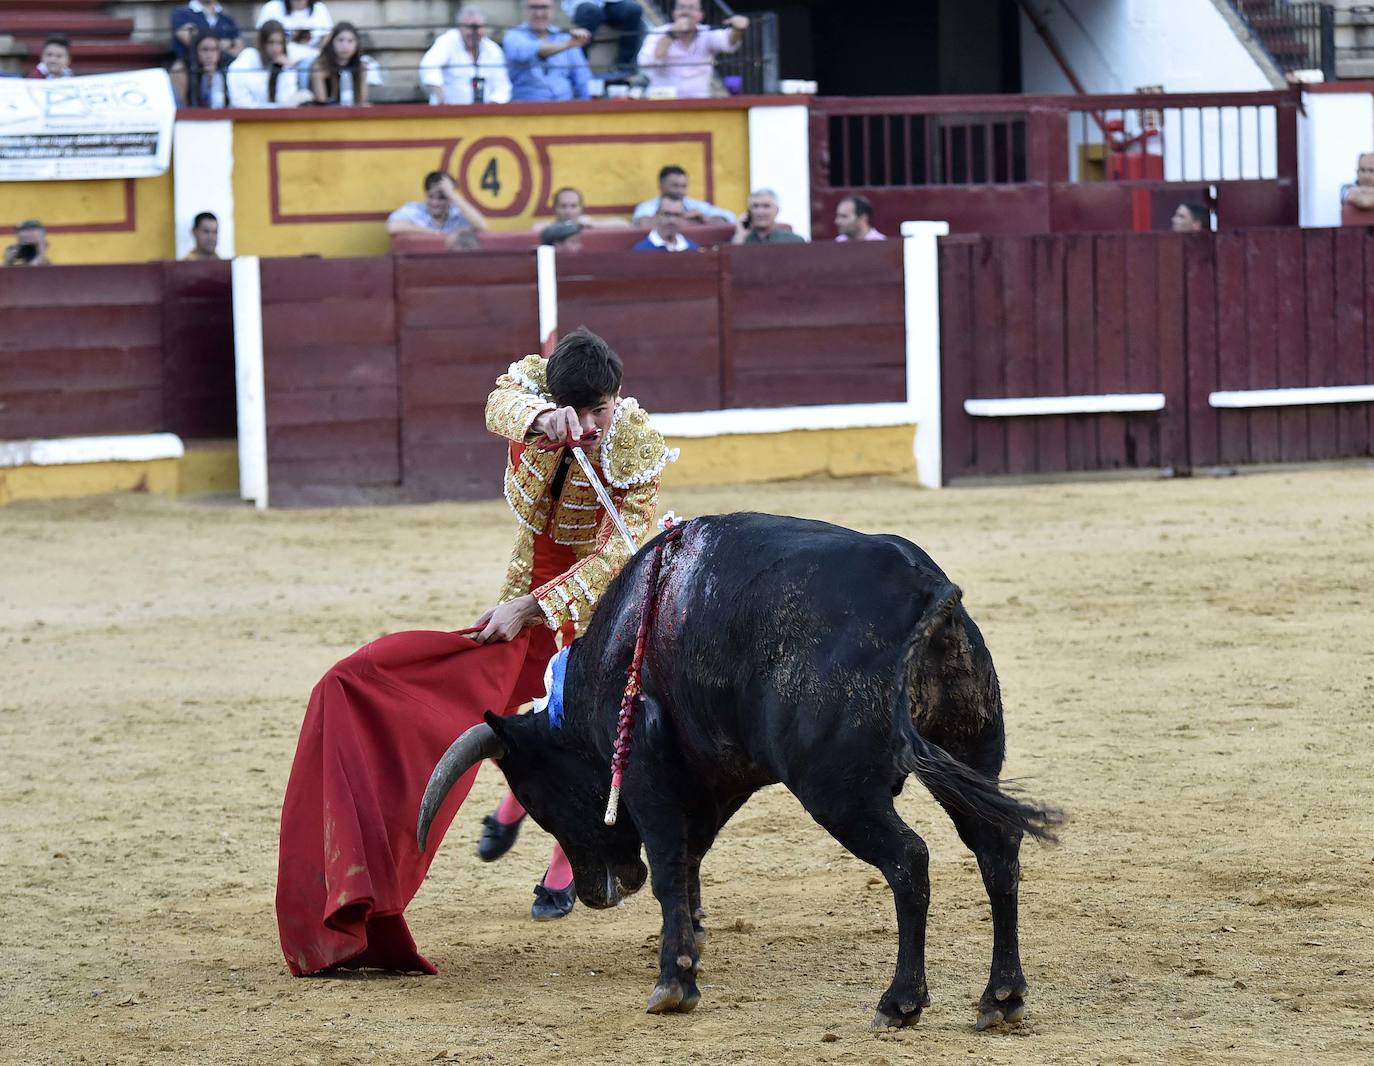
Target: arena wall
(1138, 336)
(326, 180)
(128, 220)
(375, 371)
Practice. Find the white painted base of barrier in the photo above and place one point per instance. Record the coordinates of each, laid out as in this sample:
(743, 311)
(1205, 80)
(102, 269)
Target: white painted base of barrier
(783, 419)
(1105, 404)
(1321, 394)
(61, 451)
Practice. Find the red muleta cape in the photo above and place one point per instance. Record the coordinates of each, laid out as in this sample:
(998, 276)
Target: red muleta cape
(377, 724)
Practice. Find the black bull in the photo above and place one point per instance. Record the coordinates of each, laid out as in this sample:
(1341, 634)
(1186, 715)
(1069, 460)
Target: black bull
(782, 650)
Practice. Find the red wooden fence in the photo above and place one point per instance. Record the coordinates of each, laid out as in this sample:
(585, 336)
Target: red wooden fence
(377, 370)
(138, 348)
(1185, 316)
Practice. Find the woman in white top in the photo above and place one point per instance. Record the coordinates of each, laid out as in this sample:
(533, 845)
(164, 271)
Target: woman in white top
(264, 76)
(306, 21)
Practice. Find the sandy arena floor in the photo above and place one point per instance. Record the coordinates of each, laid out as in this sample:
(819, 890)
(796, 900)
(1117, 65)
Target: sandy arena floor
(1188, 666)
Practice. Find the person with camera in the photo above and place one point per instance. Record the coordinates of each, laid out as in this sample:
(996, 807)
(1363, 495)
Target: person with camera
(759, 224)
(464, 65)
(30, 247)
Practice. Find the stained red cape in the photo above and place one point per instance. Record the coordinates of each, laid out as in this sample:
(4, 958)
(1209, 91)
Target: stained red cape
(377, 724)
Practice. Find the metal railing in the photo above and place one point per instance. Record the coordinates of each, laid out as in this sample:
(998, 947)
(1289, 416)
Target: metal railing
(1297, 35)
(1160, 142)
(912, 149)
(912, 142)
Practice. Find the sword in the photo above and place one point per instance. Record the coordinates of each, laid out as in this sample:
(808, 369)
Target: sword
(601, 494)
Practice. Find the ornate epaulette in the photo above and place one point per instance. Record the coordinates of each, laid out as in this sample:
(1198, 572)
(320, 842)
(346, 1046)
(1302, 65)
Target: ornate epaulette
(530, 373)
(633, 452)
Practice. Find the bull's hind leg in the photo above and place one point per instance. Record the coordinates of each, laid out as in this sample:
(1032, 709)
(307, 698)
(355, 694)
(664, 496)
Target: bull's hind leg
(870, 828)
(997, 851)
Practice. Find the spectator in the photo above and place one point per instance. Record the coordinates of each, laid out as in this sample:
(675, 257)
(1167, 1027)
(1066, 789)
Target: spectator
(443, 210)
(205, 232)
(1189, 217)
(567, 207)
(672, 181)
(1361, 194)
(626, 16)
(306, 22)
(678, 56)
(544, 62)
(337, 76)
(30, 247)
(56, 59)
(564, 236)
(854, 220)
(465, 66)
(206, 83)
(666, 236)
(759, 224)
(264, 76)
(188, 23)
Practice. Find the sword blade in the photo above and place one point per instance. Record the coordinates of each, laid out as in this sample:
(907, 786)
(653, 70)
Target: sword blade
(603, 496)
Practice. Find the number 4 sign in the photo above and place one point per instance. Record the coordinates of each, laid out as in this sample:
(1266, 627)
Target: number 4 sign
(494, 174)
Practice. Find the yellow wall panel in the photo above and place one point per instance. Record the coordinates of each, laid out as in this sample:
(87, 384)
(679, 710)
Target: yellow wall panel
(114, 221)
(326, 187)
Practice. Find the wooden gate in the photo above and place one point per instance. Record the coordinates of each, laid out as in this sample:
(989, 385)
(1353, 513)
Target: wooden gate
(1137, 315)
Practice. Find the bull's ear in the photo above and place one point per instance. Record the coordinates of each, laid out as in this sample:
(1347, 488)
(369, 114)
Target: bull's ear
(940, 613)
(518, 732)
(499, 725)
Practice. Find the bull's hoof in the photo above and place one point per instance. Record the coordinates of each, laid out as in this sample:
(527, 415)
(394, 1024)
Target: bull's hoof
(1005, 1004)
(883, 1020)
(671, 997)
(897, 1011)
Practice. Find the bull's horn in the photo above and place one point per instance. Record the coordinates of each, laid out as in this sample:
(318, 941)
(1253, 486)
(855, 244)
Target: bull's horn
(478, 743)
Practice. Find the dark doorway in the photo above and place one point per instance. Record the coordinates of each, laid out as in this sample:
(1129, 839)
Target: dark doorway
(897, 47)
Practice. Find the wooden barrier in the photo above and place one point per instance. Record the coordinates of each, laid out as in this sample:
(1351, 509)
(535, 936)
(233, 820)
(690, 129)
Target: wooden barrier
(460, 321)
(1138, 350)
(1181, 316)
(331, 380)
(827, 326)
(138, 348)
(661, 312)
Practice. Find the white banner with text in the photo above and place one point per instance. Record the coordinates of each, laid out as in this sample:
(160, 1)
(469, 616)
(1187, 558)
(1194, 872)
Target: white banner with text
(95, 126)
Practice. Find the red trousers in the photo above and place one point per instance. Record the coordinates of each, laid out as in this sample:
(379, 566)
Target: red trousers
(376, 725)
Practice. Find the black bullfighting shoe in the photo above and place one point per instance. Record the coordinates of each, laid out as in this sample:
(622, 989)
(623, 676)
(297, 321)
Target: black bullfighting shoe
(551, 904)
(497, 839)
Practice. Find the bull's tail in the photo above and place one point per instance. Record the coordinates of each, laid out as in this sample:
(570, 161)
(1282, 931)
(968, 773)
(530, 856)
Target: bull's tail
(956, 784)
(962, 788)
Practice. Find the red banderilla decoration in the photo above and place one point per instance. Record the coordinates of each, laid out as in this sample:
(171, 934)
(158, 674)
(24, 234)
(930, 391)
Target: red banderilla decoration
(629, 703)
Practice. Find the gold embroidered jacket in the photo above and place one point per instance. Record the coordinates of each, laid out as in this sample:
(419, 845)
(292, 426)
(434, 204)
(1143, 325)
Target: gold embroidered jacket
(630, 459)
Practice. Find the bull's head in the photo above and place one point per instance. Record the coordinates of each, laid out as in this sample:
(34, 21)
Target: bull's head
(565, 791)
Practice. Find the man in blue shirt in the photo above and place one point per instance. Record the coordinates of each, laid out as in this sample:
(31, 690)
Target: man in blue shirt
(666, 236)
(544, 62)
